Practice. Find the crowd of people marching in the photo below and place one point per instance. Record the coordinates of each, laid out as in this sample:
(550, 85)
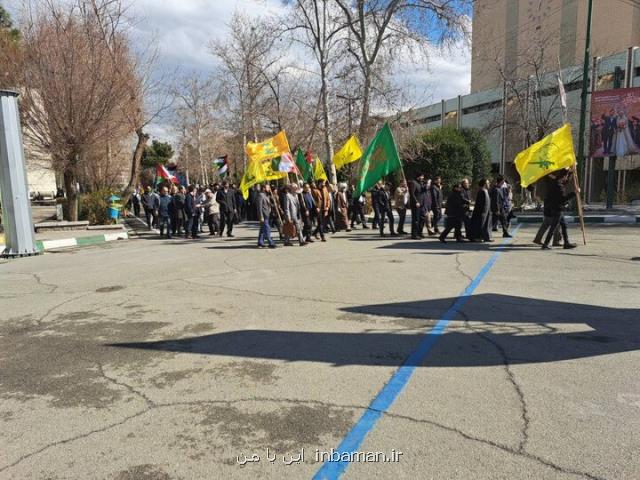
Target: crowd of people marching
(311, 211)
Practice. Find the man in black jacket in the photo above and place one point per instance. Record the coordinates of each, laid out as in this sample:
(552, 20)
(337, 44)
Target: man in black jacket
(554, 205)
(191, 212)
(457, 207)
(226, 197)
(383, 199)
(436, 202)
(415, 187)
(466, 195)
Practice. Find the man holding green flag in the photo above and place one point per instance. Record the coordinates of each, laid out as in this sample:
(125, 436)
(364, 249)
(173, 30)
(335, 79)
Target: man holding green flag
(380, 159)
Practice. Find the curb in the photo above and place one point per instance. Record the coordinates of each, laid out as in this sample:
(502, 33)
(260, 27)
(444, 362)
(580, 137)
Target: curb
(46, 245)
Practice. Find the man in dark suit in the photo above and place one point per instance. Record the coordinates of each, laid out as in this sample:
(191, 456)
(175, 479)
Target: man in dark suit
(383, 200)
(456, 210)
(415, 187)
(554, 204)
(426, 213)
(226, 197)
(609, 125)
(192, 213)
(436, 202)
(481, 218)
(465, 192)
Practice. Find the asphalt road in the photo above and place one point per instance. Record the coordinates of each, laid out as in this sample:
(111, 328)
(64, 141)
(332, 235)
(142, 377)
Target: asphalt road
(155, 359)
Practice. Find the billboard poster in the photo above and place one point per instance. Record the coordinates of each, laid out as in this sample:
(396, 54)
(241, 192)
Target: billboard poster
(615, 123)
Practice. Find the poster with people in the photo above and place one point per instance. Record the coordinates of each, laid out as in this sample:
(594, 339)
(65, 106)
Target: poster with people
(615, 122)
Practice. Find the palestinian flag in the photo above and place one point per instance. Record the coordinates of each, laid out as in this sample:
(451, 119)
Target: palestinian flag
(284, 163)
(163, 174)
(309, 157)
(303, 165)
(222, 165)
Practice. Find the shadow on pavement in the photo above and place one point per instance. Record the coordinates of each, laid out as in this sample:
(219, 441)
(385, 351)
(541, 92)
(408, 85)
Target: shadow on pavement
(524, 329)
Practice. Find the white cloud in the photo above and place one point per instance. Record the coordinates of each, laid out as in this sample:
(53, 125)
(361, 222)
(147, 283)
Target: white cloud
(441, 74)
(184, 28)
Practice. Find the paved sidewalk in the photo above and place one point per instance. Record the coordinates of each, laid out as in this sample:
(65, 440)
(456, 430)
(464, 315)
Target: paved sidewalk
(53, 240)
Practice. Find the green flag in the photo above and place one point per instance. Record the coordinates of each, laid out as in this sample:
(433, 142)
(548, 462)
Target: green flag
(303, 165)
(380, 159)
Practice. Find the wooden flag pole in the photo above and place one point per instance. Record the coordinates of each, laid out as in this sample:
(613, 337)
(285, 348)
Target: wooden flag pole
(576, 183)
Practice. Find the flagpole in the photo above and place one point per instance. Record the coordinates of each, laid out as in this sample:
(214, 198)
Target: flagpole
(576, 183)
(576, 186)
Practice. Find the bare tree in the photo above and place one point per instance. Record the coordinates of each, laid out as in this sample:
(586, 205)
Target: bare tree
(320, 22)
(533, 106)
(147, 95)
(246, 55)
(378, 28)
(197, 100)
(73, 84)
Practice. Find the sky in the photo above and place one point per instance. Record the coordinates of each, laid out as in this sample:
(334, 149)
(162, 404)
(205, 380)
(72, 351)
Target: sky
(184, 28)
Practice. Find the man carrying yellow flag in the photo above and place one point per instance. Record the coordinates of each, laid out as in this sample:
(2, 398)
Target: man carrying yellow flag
(554, 152)
(350, 152)
(269, 148)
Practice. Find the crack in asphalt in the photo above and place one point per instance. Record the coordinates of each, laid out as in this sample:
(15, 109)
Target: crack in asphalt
(73, 439)
(524, 410)
(272, 295)
(499, 446)
(459, 268)
(38, 280)
(151, 405)
(40, 320)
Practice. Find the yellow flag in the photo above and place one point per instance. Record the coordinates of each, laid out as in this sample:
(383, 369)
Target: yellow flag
(553, 152)
(269, 148)
(270, 173)
(254, 174)
(318, 170)
(350, 152)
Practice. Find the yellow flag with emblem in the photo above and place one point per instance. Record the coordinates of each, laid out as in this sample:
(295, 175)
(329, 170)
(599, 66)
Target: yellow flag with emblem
(270, 173)
(254, 174)
(318, 170)
(554, 152)
(350, 152)
(269, 148)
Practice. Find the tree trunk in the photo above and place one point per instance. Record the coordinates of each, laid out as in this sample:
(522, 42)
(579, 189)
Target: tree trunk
(364, 118)
(71, 205)
(328, 140)
(136, 161)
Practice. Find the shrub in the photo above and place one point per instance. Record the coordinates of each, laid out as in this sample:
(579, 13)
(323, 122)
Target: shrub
(479, 152)
(94, 207)
(441, 151)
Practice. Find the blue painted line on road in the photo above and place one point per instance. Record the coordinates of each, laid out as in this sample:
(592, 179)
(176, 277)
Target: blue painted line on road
(382, 402)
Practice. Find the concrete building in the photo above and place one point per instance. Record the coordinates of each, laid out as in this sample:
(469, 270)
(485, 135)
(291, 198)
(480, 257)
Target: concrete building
(508, 34)
(488, 109)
